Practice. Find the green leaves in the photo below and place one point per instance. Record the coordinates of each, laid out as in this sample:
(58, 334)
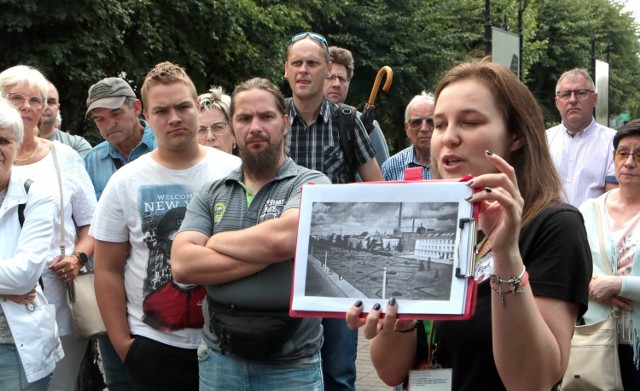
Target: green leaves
(78, 42)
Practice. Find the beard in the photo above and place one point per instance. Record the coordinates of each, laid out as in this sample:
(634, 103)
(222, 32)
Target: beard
(261, 164)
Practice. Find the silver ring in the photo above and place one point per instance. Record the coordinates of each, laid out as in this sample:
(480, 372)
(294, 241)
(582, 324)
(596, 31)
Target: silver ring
(62, 270)
(65, 276)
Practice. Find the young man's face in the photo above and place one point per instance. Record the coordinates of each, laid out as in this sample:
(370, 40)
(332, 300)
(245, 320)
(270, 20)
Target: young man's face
(173, 113)
(306, 68)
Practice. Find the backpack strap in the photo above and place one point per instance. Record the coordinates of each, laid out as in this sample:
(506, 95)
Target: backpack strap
(347, 133)
(27, 185)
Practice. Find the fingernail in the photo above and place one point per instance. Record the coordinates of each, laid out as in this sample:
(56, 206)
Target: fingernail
(488, 189)
(467, 198)
(470, 183)
(488, 152)
(358, 304)
(376, 307)
(392, 302)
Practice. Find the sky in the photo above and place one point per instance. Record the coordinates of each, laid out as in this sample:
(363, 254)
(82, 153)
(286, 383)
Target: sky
(634, 7)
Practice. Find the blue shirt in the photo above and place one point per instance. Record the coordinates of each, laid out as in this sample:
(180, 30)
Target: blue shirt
(393, 168)
(99, 161)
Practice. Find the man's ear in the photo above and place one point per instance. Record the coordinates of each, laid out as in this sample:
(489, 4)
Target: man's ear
(137, 107)
(286, 124)
(285, 68)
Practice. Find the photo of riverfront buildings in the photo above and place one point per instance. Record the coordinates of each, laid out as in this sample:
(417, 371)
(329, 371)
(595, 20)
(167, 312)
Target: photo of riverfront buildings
(382, 250)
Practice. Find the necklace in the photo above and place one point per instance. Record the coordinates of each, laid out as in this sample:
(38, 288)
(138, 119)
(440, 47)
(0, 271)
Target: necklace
(32, 155)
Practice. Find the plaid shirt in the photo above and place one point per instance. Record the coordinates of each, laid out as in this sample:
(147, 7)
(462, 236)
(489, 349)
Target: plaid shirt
(317, 146)
(393, 168)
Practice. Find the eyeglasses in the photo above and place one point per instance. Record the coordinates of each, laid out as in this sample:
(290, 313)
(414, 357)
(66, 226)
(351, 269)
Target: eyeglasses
(580, 94)
(315, 36)
(341, 79)
(216, 128)
(622, 156)
(416, 123)
(18, 100)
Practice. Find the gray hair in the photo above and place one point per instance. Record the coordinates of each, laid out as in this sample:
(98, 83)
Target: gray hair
(216, 99)
(10, 119)
(577, 72)
(23, 74)
(422, 97)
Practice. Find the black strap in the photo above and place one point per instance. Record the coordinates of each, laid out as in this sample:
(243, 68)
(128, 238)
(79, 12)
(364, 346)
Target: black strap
(347, 135)
(27, 185)
(117, 162)
(346, 130)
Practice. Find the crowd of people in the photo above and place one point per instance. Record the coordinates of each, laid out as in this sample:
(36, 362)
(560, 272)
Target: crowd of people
(188, 212)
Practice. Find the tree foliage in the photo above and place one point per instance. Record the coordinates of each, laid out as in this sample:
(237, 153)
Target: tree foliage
(78, 42)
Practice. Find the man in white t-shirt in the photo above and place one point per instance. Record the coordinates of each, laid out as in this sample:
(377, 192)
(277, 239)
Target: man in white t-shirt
(154, 323)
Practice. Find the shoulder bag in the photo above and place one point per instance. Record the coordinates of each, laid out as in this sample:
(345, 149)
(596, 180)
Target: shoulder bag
(593, 362)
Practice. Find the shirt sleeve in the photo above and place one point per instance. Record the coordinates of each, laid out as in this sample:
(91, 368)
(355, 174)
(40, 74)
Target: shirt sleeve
(83, 199)
(109, 222)
(363, 147)
(199, 214)
(20, 273)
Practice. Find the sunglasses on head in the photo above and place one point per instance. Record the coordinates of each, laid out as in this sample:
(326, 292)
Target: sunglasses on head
(315, 36)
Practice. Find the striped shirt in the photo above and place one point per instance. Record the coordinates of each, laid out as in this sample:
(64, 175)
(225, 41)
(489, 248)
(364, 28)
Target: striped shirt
(584, 161)
(393, 168)
(317, 145)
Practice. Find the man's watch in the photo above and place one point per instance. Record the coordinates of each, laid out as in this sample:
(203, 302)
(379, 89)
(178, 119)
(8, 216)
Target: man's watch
(82, 257)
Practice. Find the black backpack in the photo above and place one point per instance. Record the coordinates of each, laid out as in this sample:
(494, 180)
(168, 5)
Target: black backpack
(347, 135)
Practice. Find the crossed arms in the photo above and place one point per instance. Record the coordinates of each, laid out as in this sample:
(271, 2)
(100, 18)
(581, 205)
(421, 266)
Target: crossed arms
(232, 255)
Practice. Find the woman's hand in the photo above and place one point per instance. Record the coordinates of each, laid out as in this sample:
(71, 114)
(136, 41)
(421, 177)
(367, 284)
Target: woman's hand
(605, 290)
(373, 325)
(501, 206)
(66, 268)
(21, 299)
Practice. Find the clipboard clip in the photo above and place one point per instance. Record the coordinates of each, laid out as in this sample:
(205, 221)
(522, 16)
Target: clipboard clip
(461, 225)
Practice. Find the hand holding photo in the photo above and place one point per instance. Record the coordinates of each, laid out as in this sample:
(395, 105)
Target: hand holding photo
(374, 241)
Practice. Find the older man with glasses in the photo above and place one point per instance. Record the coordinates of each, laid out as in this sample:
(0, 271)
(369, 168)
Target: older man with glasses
(580, 147)
(418, 124)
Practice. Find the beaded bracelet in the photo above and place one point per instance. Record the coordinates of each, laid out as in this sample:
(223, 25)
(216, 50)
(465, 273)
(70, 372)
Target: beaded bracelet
(517, 284)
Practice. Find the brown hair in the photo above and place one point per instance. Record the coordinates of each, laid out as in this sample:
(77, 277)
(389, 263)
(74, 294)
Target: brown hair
(537, 177)
(342, 57)
(166, 73)
(262, 84)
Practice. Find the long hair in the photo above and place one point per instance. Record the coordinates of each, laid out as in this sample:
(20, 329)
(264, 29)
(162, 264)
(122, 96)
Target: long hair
(261, 84)
(537, 177)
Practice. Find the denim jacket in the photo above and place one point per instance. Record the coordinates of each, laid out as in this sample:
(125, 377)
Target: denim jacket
(99, 161)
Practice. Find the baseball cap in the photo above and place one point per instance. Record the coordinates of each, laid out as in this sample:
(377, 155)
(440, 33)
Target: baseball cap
(109, 93)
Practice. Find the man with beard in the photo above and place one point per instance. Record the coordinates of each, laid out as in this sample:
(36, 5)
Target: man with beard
(238, 239)
(418, 124)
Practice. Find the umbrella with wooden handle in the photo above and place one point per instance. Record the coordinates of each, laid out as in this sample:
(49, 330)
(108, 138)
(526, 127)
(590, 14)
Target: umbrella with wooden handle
(368, 114)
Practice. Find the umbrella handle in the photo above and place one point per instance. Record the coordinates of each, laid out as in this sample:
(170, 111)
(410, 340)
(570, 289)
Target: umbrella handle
(376, 85)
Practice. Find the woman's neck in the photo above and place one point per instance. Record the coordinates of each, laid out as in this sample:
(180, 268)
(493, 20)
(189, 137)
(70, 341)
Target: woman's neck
(623, 203)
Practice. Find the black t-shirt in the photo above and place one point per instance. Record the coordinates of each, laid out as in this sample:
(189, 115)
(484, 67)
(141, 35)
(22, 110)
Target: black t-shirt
(555, 250)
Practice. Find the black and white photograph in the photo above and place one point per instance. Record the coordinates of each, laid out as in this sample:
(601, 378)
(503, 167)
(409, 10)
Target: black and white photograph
(376, 241)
